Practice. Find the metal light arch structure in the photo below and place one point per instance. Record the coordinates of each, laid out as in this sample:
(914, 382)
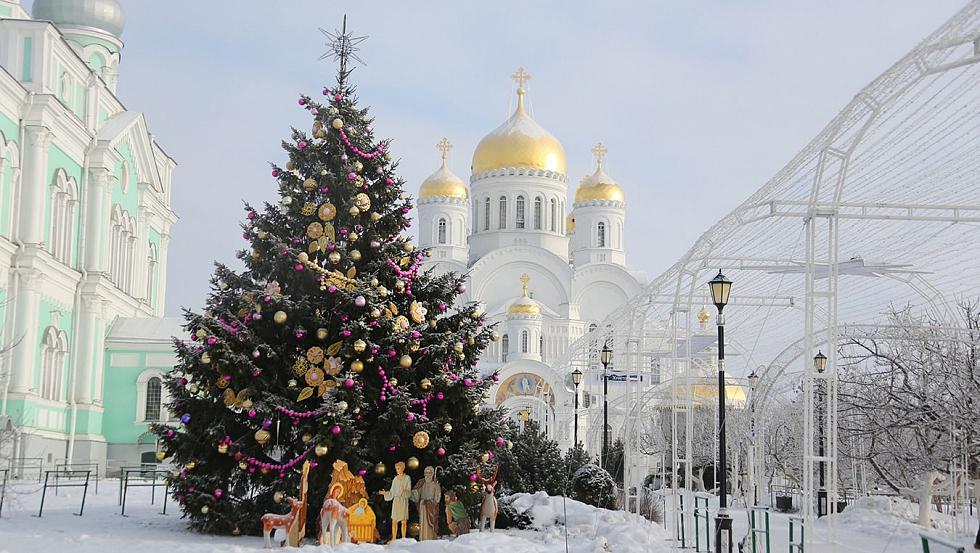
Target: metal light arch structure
(881, 208)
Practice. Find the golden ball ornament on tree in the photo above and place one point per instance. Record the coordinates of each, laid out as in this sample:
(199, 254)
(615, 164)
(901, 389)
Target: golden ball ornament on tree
(223, 448)
(255, 254)
(204, 510)
(375, 313)
(484, 458)
(280, 317)
(474, 487)
(322, 334)
(380, 469)
(292, 383)
(357, 365)
(262, 436)
(393, 381)
(262, 234)
(360, 345)
(337, 123)
(355, 255)
(412, 463)
(421, 439)
(358, 166)
(309, 184)
(458, 347)
(290, 166)
(278, 497)
(201, 333)
(354, 211)
(352, 237)
(447, 428)
(243, 465)
(334, 257)
(342, 405)
(471, 341)
(408, 247)
(321, 450)
(161, 455)
(425, 383)
(375, 216)
(362, 201)
(494, 336)
(405, 361)
(303, 257)
(374, 281)
(306, 437)
(205, 358)
(189, 465)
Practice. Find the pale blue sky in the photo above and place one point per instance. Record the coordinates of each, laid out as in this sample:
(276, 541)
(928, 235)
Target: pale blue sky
(699, 103)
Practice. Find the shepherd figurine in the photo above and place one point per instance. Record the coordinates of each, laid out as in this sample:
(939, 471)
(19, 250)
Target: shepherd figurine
(274, 521)
(488, 510)
(334, 519)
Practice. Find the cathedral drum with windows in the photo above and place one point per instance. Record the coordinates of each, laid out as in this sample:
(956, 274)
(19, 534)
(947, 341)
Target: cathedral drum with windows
(545, 274)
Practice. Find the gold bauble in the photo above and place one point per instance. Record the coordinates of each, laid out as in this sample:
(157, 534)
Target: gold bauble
(375, 313)
(204, 510)
(161, 455)
(262, 436)
(321, 450)
(337, 123)
(255, 254)
(458, 347)
(290, 165)
(399, 286)
(359, 345)
(322, 334)
(243, 465)
(485, 457)
(189, 465)
(262, 234)
(405, 361)
(382, 291)
(471, 341)
(474, 487)
(494, 336)
(354, 211)
(447, 428)
(432, 323)
(309, 184)
(412, 463)
(352, 237)
(280, 317)
(425, 383)
(306, 437)
(393, 382)
(222, 448)
(375, 216)
(334, 257)
(342, 405)
(303, 257)
(362, 201)
(421, 439)
(374, 281)
(380, 469)
(322, 133)
(291, 383)
(414, 529)
(201, 333)
(205, 358)
(356, 365)
(358, 166)
(408, 247)
(355, 255)
(278, 497)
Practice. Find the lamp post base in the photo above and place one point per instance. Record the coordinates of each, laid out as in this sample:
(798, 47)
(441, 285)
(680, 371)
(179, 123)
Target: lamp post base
(723, 532)
(821, 503)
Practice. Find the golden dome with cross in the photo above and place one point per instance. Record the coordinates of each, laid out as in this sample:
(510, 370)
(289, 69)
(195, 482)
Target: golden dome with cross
(444, 183)
(520, 142)
(599, 186)
(524, 304)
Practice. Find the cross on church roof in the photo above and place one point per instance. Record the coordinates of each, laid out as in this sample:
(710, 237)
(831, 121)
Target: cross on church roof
(524, 280)
(444, 146)
(599, 151)
(521, 77)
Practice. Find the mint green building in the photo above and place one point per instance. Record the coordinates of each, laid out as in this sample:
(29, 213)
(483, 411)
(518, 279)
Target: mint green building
(85, 221)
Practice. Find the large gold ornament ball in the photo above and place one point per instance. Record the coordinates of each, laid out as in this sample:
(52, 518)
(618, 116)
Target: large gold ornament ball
(393, 382)
(380, 469)
(375, 216)
(421, 439)
(322, 334)
(352, 237)
(189, 465)
(485, 457)
(414, 529)
(222, 448)
(458, 347)
(309, 184)
(358, 166)
(334, 257)
(374, 281)
(474, 487)
(359, 345)
(204, 510)
(161, 455)
(425, 383)
(303, 257)
(306, 437)
(354, 211)
(342, 405)
(412, 463)
(243, 465)
(405, 361)
(494, 336)
(447, 428)
(262, 234)
(280, 317)
(278, 497)
(375, 313)
(355, 255)
(337, 123)
(356, 365)
(408, 247)
(321, 450)
(205, 358)
(262, 436)
(292, 383)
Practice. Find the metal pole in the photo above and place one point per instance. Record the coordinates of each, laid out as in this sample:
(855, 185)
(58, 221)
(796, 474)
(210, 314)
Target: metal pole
(576, 418)
(723, 522)
(752, 472)
(822, 488)
(605, 414)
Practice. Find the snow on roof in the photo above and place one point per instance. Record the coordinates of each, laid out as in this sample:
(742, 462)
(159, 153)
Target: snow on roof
(146, 329)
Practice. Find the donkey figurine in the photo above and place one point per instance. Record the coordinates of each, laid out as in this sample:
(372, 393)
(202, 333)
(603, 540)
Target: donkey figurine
(488, 510)
(273, 521)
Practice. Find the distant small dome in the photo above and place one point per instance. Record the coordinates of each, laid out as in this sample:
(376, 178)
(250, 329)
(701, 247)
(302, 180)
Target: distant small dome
(704, 315)
(443, 183)
(570, 223)
(599, 186)
(104, 15)
(524, 304)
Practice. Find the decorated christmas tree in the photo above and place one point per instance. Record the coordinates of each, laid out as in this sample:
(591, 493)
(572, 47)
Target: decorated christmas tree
(332, 345)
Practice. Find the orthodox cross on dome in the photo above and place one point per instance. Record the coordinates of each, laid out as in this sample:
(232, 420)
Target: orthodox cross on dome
(521, 77)
(525, 279)
(599, 151)
(444, 146)
(342, 47)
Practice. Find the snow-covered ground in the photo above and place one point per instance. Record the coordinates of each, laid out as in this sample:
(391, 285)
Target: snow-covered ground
(869, 525)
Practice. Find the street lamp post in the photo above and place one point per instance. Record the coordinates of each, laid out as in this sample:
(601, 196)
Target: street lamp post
(720, 289)
(547, 403)
(753, 485)
(605, 357)
(576, 379)
(820, 364)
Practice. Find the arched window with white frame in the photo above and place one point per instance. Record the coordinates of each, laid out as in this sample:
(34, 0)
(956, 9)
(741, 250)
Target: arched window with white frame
(122, 246)
(54, 347)
(601, 234)
(504, 348)
(502, 216)
(519, 218)
(442, 230)
(524, 341)
(486, 214)
(554, 213)
(64, 198)
(151, 397)
(537, 213)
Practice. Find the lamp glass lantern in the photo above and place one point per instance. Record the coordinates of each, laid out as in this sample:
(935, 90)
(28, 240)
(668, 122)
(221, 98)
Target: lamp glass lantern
(820, 362)
(576, 377)
(605, 356)
(720, 288)
(753, 380)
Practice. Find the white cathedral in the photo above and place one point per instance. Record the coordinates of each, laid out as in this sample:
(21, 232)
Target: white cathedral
(545, 274)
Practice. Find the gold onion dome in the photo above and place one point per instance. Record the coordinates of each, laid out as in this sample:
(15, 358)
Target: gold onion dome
(520, 142)
(599, 186)
(524, 304)
(444, 183)
(704, 315)
(570, 223)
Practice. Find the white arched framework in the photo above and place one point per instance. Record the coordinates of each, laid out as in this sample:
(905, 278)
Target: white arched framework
(121, 249)
(880, 209)
(54, 348)
(64, 200)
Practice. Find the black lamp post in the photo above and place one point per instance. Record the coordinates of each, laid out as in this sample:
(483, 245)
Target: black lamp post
(753, 384)
(720, 288)
(820, 364)
(605, 357)
(576, 379)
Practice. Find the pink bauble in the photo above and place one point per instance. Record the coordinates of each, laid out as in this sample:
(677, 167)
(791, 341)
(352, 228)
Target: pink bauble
(468, 382)
(302, 145)
(362, 472)
(352, 176)
(275, 172)
(298, 266)
(251, 413)
(218, 493)
(440, 396)
(335, 430)
(441, 452)
(501, 441)
(302, 101)
(410, 416)
(360, 301)
(472, 478)
(392, 448)
(349, 383)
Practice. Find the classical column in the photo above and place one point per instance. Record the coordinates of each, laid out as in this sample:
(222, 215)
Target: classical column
(34, 184)
(89, 338)
(161, 286)
(27, 300)
(97, 222)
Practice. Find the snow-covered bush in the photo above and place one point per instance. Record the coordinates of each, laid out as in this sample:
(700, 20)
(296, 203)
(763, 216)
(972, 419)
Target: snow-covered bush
(591, 484)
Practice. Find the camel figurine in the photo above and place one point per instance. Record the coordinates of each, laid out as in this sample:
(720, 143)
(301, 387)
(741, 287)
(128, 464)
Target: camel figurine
(488, 509)
(274, 521)
(334, 519)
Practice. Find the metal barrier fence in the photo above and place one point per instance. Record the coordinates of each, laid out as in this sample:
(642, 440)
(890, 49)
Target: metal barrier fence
(20, 465)
(158, 479)
(3, 487)
(63, 466)
(701, 513)
(756, 513)
(932, 544)
(74, 479)
(796, 546)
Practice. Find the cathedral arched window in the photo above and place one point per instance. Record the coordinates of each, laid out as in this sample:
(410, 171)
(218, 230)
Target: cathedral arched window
(503, 213)
(123, 238)
(601, 234)
(504, 348)
(151, 396)
(486, 214)
(519, 218)
(442, 231)
(153, 399)
(64, 198)
(554, 213)
(53, 350)
(537, 213)
(541, 347)
(524, 341)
